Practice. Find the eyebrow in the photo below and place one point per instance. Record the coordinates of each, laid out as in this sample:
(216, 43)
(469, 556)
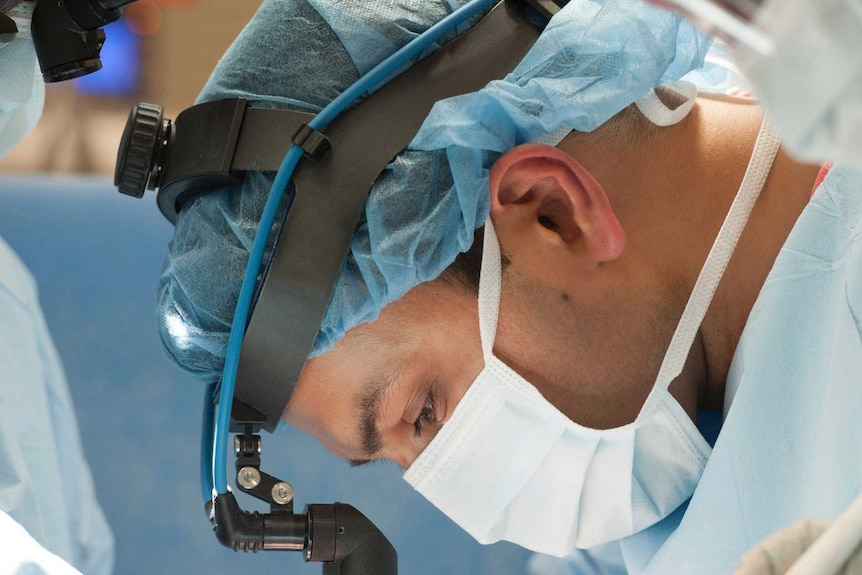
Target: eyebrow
(369, 405)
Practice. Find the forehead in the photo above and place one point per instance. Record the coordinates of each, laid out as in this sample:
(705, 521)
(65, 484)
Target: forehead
(330, 391)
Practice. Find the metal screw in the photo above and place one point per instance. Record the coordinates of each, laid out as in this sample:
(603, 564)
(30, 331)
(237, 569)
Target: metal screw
(282, 493)
(248, 477)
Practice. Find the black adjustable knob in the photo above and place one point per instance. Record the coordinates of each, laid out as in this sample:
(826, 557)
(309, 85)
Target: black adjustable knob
(142, 148)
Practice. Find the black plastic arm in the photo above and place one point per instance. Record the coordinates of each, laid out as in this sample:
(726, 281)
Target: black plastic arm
(348, 542)
(252, 531)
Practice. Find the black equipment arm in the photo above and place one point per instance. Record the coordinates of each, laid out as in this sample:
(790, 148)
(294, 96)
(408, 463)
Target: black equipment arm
(336, 534)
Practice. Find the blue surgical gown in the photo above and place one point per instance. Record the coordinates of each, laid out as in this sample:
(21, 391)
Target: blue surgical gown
(791, 443)
(45, 482)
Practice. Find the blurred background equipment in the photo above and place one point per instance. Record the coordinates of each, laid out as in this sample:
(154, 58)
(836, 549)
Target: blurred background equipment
(160, 50)
(734, 20)
(68, 36)
(803, 61)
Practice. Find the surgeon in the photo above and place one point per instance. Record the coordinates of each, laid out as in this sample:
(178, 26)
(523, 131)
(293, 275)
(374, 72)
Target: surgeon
(556, 283)
(50, 520)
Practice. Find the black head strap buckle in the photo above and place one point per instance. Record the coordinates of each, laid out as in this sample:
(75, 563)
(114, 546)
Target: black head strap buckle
(313, 143)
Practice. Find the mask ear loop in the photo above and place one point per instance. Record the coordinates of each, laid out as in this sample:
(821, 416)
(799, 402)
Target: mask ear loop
(490, 280)
(659, 113)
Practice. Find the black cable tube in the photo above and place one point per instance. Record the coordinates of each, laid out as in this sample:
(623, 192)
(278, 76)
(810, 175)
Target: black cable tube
(244, 531)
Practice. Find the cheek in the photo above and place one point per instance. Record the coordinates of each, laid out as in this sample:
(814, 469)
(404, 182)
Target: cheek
(583, 359)
(459, 372)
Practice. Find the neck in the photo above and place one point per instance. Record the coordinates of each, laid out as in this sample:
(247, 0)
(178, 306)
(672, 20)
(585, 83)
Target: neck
(685, 178)
(785, 194)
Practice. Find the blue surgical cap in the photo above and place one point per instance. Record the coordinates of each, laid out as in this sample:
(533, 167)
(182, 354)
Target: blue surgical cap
(595, 58)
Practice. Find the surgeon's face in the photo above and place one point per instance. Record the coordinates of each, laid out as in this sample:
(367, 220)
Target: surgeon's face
(386, 388)
(582, 322)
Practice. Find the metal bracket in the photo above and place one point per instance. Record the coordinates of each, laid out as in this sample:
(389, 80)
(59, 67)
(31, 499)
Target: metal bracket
(250, 479)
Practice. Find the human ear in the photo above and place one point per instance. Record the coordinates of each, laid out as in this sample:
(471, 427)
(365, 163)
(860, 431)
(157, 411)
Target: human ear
(541, 192)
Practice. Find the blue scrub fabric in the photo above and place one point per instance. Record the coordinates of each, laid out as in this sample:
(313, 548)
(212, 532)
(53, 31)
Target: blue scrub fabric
(791, 444)
(45, 482)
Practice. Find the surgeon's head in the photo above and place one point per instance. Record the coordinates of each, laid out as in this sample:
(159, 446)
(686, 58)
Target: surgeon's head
(583, 194)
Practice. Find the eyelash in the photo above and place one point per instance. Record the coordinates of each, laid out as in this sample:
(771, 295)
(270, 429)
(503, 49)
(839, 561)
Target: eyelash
(426, 416)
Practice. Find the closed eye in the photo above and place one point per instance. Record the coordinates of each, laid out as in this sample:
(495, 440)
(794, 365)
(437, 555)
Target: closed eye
(428, 415)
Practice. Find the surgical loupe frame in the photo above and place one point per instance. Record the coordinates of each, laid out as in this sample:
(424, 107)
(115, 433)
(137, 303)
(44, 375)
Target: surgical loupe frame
(211, 145)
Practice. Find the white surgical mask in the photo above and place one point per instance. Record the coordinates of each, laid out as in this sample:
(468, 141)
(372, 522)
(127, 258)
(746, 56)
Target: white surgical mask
(510, 466)
(22, 91)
